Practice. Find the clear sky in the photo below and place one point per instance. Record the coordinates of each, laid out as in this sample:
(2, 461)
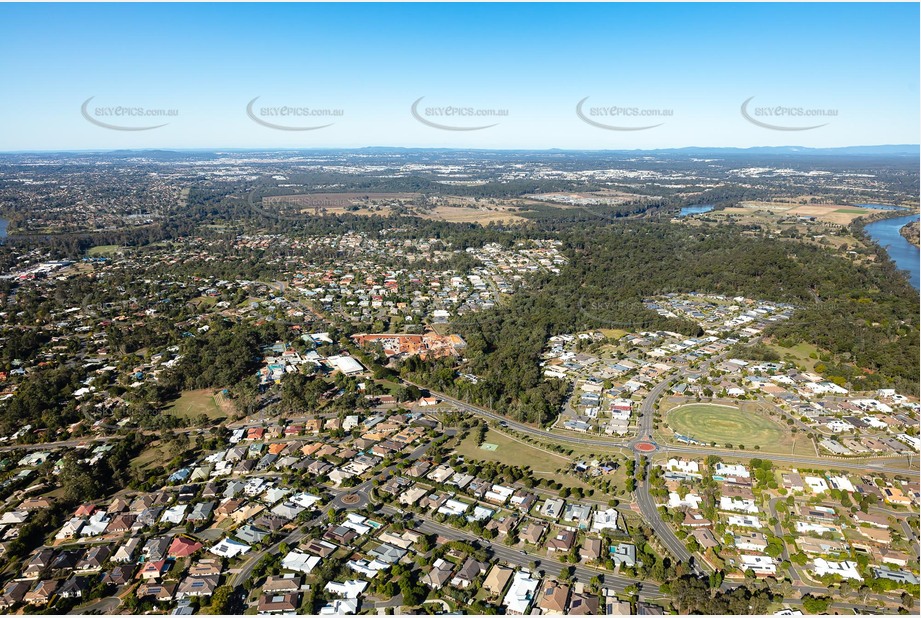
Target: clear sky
(537, 61)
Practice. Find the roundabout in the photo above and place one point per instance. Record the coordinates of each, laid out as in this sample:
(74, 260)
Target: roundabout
(350, 499)
(645, 447)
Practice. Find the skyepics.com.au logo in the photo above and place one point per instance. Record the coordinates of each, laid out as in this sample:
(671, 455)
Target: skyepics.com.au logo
(125, 117)
(621, 118)
(785, 117)
(455, 118)
(290, 117)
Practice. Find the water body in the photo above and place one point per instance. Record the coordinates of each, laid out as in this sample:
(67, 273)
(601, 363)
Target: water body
(880, 206)
(3, 224)
(695, 210)
(905, 255)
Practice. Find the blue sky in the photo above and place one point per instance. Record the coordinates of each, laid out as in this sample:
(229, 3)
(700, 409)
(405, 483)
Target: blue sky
(697, 62)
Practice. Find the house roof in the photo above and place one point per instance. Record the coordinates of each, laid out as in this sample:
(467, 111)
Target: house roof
(182, 547)
(554, 596)
(583, 604)
(278, 602)
(497, 578)
(440, 574)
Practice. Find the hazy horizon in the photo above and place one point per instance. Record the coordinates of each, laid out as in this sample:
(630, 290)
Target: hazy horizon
(475, 149)
(493, 76)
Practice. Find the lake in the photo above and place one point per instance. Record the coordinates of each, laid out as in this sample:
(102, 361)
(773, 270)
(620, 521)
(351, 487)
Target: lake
(3, 224)
(879, 206)
(695, 210)
(905, 255)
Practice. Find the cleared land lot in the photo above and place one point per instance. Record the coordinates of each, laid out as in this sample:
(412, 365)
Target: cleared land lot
(708, 423)
(103, 250)
(191, 404)
(831, 213)
(156, 454)
(511, 452)
(460, 214)
(799, 354)
(456, 210)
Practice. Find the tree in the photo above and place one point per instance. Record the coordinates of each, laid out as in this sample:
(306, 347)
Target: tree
(79, 481)
(221, 601)
(716, 579)
(409, 392)
(816, 605)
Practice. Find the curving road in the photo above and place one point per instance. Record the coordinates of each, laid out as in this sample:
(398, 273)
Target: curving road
(646, 503)
(646, 427)
(647, 413)
(643, 499)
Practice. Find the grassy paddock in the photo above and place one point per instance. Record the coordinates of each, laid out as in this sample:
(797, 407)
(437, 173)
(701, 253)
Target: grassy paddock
(103, 250)
(514, 453)
(193, 403)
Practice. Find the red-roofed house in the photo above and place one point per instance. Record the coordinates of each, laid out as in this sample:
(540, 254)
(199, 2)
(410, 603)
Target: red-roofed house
(182, 547)
(152, 570)
(85, 510)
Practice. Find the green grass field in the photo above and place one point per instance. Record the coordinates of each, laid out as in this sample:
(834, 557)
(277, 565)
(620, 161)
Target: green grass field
(102, 250)
(153, 455)
(798, 354)
(514, 453)
(193, 403)
(726, 425)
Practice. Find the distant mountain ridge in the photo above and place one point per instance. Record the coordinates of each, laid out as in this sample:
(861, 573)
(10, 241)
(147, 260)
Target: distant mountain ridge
(907, 150)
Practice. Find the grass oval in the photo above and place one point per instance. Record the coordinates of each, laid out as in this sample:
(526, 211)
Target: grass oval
(708, 423)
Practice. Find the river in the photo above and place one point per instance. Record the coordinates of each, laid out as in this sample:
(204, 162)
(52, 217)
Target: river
(905, 255)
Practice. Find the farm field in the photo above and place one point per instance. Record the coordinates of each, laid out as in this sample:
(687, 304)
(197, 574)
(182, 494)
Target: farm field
(830, 213)
(459, 214)
(456, 210)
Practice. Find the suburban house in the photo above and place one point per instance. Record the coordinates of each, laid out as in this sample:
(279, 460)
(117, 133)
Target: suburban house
(469, 571)
(439, 575)
(562, 542)
(497, 579)
(582, 604)
(553, 598)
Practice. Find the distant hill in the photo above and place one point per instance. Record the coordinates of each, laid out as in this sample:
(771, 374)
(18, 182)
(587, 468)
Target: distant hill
(885, 150)
(909, 150)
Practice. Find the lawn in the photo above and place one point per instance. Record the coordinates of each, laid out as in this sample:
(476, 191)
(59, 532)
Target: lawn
(204, 301)
(511, 452)
(154, 454)
(392, 388)
(707, 423)
(191, 404)
(102, 250)
(798, 354)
